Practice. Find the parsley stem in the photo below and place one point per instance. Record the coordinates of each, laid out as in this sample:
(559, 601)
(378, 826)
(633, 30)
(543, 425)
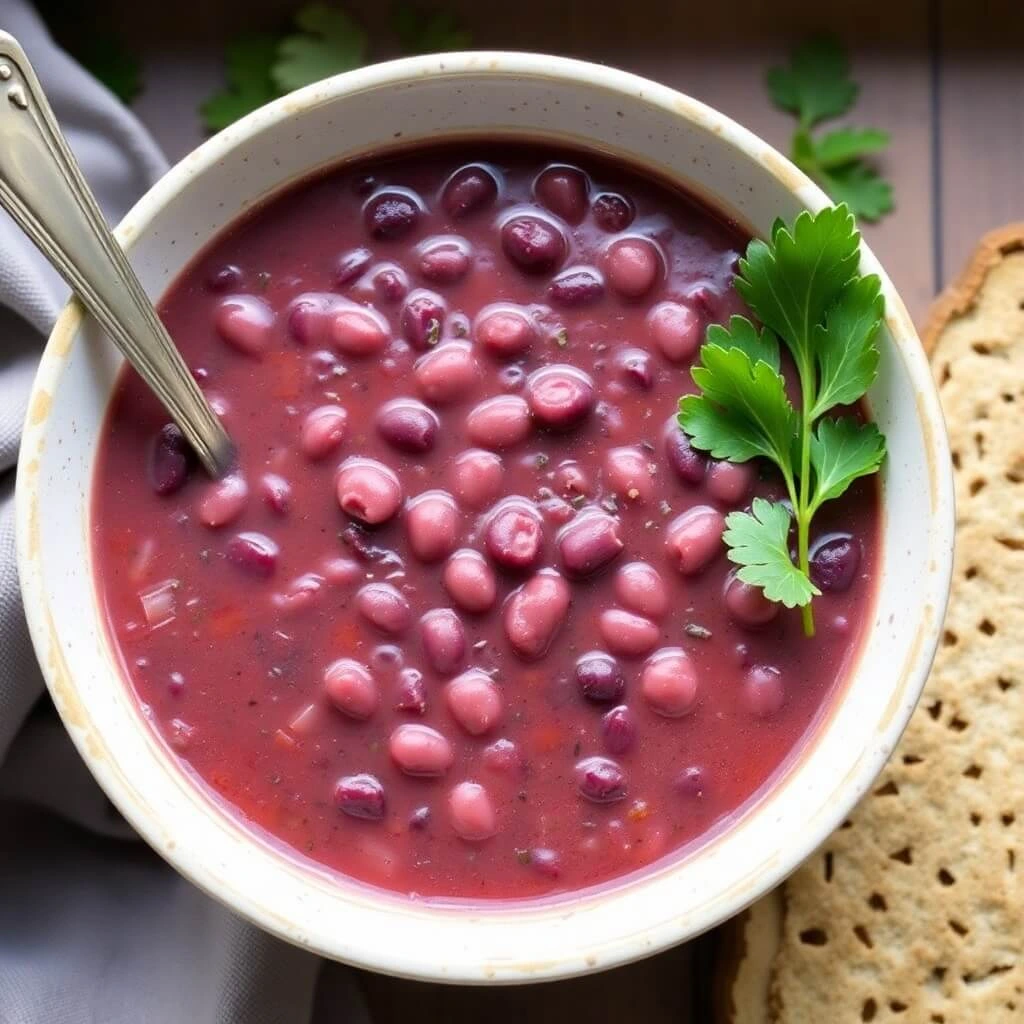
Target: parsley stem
(803, 511)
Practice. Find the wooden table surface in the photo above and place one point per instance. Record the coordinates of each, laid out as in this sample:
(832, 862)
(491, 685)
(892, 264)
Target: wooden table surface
(944, 77)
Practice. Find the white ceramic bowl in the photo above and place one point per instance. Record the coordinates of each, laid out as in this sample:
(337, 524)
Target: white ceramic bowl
(481, 94)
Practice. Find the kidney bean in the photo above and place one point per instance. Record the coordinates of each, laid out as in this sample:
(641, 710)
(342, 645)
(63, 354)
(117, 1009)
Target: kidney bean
(612, 212)
(222, 501)
(534, 244)
(351, 689)
(564, 191)
(254, 552)
(588, 543)
(368, 490)
(600, 678)
(419, 819)
(310, 318)
(571, 480)
(357, 331)
(559, 396)
(408, 425)
(578, 286)
(225, 279)
(640, 588)
(422, 319)
(556, 511)
(504, 331)
(636, 367)
(412, 692)
(277, 492)
(444, 640)
(447, 373)
(763, 692)
(300, 595)
(432, 524)
(471, 812)
(468, 190)
(514, 535)
(627, 634)
(692, 782)
(474, 702)
(340, 571)
(690, 465)
(170, 460)
(246, 323)
(694, 539)
(629, 473)
(618, 730)
(502, 757)
(730, 482)
(499, 422)
(361, 796)
(470, 581)
(392, 213)
(390, 284)
(835, 559)
(633, 265)
(747, 605)
(535, 612)
(385, 607)
(601, 780)
(676, 329)
(669, 682)
(545, 862)
(420, 750)
(352, 264)
(323, 430)
(444, 260)
(477, 477)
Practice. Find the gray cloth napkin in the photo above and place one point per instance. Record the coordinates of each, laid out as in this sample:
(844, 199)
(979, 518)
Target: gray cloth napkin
(93, 926)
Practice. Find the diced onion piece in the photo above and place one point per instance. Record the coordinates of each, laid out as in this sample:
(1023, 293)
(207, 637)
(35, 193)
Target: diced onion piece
(159, 603)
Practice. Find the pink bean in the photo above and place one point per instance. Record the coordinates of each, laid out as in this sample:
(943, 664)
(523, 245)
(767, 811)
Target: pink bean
(747, 604)
(412, 692)
(563, 190)
(223, 501)
(444, 260)
(323, 430)
(356, 331)
(676, 329)
(504, 331)
(730, 482)
(432, 523)
(571, 480)
(669, 682)
(385, 607)
(694, 539)
(633, 265)
(444, 640)
(514, 536)
(447, 373)
(588, 543)
(627, 634)
(477, 477)
(763, 692)
(276, 492)
(469, 189)
(499, 422)
(341, 571)
(535, 612)
(629, 473)
(351, 688)
(640, 588)
(302, 593)
(246, 323)
(474, 702)
(368, 490)
(470, 581)
(559, 396)
(420, 750)
(502, 757)
(310, 316)
(471, 812)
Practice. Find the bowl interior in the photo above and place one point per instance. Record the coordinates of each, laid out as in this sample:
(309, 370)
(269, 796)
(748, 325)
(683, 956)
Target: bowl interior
(431, 99)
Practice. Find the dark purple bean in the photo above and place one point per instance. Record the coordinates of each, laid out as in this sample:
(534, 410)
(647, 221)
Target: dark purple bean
(254, 552)
(225, 279)
(690, 465)
(363, 185)
(692, 782)
(469, 189)
(563, 190)
(559, 395)
(600, 678)
(391, 214)
(422, 319)
(612, 212)
(359, 542)
(412, 692)
(171, 460)
(600, 779)
(545, 862)
(636, 367)
(589, 543)
(390, 284)
(420, 818)
(361, 796)
(618, 730)
(533, 244)
(515, 534)
(408, 425)
(351, 265)
(277, 493)
(835, 559)
(580, 286)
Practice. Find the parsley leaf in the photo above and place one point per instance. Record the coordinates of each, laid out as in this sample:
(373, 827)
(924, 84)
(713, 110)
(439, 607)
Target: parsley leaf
(845, 145)
(329, 42)
(816, 85)
(248, 81)
(805, 286)
(759, 543)
(861, 188)
(437, 32)
(114, 65)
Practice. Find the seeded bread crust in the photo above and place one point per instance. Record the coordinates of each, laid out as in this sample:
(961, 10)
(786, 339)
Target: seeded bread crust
(914, 910)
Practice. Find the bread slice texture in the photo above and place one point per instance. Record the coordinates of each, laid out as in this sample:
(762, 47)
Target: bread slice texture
(913, 911)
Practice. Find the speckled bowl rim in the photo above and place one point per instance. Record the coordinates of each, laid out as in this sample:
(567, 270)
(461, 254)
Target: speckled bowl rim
(631, 939)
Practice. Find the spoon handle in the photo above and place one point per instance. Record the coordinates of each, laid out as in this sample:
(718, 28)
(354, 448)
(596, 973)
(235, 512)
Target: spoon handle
(42, 188)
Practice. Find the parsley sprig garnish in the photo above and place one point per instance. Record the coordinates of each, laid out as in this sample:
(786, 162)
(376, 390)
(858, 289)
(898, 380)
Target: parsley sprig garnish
(803, 285)
(816, 86)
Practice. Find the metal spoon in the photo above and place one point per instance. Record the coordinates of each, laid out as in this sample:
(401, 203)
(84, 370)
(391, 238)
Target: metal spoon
(42, 188)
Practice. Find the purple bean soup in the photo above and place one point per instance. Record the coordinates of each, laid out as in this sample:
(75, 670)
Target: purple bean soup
(461, 622)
